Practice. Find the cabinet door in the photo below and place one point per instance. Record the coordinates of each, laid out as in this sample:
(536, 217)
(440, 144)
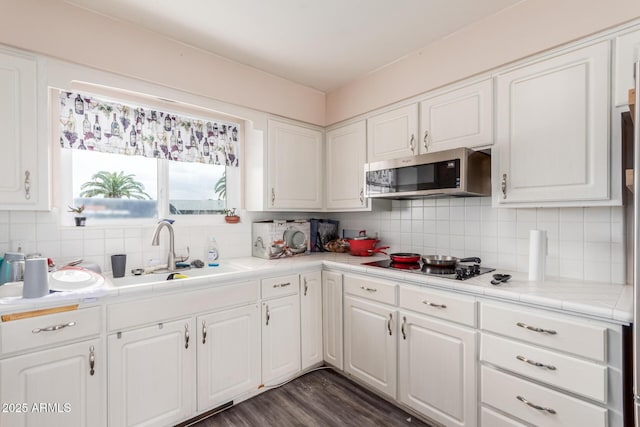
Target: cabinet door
(437, 368)
(295, 167)
(346, 157)
(311, 319)
(21, 161)
(393, 134)
(62, 387)
(553, 129)
(627, 52)
(460, 118)
(228, 355)
(280, 338)
(370, 343)
(151, 375)
(332, 318)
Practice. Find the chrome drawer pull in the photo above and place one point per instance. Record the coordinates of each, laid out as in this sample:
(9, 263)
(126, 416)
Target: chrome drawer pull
(268, 316)
(204, 332)
(306, 286)
(92, 361)
(535, 329)
(534, 363)
(186, 336)
(282, 285)
(534, 406)
(364, 288)
(389, 323)
(433, 304)
(53, 328)
(402, 328)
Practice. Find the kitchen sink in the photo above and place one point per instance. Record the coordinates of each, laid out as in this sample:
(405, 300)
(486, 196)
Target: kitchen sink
(160, 277)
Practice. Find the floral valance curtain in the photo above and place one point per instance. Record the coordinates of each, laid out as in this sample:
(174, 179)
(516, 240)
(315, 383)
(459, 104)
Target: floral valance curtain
(88, 123)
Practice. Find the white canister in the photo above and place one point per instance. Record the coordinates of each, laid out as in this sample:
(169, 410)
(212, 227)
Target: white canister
(538, 249)
(36, 278)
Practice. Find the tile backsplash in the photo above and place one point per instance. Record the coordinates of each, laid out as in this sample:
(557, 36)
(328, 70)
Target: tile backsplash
(584, 243)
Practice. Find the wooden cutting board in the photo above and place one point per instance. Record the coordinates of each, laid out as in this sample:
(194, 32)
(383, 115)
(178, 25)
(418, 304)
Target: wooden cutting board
(35, 313)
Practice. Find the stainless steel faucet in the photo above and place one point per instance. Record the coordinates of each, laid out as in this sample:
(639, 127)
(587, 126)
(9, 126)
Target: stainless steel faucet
(171, 258)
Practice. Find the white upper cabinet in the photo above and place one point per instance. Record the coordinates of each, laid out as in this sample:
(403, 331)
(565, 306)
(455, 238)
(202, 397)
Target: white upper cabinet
(24, 170)
(552, 137)
(393, 134)
(294, 170)
(627, 52)
(459, 118)
(346, 149)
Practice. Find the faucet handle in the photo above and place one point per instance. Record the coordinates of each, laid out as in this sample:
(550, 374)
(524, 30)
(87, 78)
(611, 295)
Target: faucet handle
(183, 258)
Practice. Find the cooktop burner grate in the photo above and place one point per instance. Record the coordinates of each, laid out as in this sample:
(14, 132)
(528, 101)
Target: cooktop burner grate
(461, 271)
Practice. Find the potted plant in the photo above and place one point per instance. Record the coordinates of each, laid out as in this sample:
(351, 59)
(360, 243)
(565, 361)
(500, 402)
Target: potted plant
(230, 216)
(79, 218)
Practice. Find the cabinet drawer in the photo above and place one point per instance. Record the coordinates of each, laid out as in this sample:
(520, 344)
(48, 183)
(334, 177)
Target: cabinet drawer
(447, 306)
(279, 286)
(510, 394)
(372, 289)
(579, 376)
(51, 329)
(559, 333)
(489, 418)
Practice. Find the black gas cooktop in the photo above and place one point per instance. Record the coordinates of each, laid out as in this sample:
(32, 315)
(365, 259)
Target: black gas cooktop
(460, 271)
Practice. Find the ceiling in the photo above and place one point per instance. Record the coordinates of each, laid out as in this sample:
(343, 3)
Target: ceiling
(322, 44)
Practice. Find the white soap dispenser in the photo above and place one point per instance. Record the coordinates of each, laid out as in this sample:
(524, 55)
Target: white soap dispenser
(212, 251)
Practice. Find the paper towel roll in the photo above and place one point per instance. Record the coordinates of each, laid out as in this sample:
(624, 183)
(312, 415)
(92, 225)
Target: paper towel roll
(537, 254)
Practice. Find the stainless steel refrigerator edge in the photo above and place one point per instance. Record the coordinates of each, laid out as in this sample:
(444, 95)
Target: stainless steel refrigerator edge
(636, 247)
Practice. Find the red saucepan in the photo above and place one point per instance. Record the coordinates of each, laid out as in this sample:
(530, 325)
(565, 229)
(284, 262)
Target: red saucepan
(364, 245)
(405, 257)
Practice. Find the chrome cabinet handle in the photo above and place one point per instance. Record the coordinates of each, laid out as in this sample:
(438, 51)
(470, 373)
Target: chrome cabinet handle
(404, 322)
(273, 196)
(204, 332)
(53, 328)
(536, 329)
(534, 406)
(268, 314)
(306, 286)
(27, 185)
(413, 149)
(186, 336)
(389, 323)
(364, 288)
(534, 363)
(92, 360)
(426, 140)
(433, 304)
(282, 285)
(362, 196)
(503, 185)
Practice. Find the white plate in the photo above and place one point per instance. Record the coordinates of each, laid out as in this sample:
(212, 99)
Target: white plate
(72, 279)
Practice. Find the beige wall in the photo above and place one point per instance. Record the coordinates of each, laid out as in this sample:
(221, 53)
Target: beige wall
(57, 29)
(529, 27)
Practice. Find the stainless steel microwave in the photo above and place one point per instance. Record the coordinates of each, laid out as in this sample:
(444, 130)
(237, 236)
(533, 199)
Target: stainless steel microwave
(456, 172)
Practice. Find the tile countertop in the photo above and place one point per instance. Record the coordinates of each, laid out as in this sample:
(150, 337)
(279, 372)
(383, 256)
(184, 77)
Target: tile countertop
(599, 300)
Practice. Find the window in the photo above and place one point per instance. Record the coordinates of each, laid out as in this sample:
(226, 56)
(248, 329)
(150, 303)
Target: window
(130, 162)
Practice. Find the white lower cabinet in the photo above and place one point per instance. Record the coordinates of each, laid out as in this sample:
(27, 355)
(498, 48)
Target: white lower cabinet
(310, 319)
(280, 328)
(437, 369)
(332, 318)
(57, 387)
(370, 349)
(228, 356)
(151, 374)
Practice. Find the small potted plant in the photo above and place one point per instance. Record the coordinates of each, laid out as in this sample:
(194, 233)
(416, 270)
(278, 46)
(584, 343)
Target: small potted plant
(230, 216)
(79, 218)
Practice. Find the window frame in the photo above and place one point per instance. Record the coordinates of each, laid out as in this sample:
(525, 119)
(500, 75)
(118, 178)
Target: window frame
(63, 163)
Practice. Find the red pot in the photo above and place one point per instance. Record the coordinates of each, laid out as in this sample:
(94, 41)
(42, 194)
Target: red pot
(364, 246)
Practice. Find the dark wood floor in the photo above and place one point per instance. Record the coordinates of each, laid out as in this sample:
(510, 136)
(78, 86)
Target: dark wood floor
(319, 398)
